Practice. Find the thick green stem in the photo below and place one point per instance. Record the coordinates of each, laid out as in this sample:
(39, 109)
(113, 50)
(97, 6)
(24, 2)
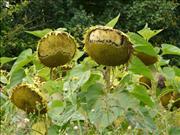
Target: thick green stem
(51, 73)
(80, 129)
(107, 77)
(154, 82)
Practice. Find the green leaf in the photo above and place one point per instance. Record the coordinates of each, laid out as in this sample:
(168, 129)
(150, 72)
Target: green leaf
(157, 49)
(146, 49)
(170, 49)
(177, 71)
(138, 67)
(92, 80)
(76, 81)
(77, 116)
(36, 62)
(174, 131)
(92, 94)
(4, 60)
(54, 114)
(3, 79)
(24, 58)
(147, 33)
(165, 91)
(84, 78)
(126, 79)
(53, 130)
(77, 77)
(141, 117)
(3, 99)
(78, 70)
(109, 107)
(141, 45)
(55, 103)
(53, 86)
(44, 73)
(113, 22)
(140, 92)
(61, 115)
(104, 112)
(162, 61)
(169, 73)
(56, 107)
(39, 33)
(16, 78)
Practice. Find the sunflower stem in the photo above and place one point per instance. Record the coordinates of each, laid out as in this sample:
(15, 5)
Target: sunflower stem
(51, 73)
(107, 77)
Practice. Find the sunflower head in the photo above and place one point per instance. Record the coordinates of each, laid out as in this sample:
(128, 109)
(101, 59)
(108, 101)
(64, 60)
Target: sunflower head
(107, 46)
(56, 48)
(29, 99)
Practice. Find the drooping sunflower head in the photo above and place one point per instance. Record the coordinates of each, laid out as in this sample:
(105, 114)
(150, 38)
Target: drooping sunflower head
(107, 46)
(29, 99)
(56, 48)
(146, 59)
(145, 82)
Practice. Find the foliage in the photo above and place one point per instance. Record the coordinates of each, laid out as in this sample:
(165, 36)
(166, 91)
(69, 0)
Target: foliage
(81, 102)
(21, 16)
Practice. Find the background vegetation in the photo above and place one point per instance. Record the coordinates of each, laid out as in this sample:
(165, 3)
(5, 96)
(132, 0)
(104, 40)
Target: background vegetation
(80, 101)
(18, 16)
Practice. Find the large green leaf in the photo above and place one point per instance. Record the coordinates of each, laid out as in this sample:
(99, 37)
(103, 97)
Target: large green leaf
(142, 119)
(39, 33)
(170, 49)
(36, 62)
(173, 80)
(78, 70)
(92, 80)
(53, 86)
(75, 82)
(77, 77)
(108, 107)
(4, 60)
(113, 22)
(53, 130)
(24, 58)
(93, 92)
(61, 115)
(44, 73)
(169, 73)
(55, 103)
(16, 78)
(141, 45)
(140, 92)
(54, 114)
(146, 49)
(147, 33)
(138, 67)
